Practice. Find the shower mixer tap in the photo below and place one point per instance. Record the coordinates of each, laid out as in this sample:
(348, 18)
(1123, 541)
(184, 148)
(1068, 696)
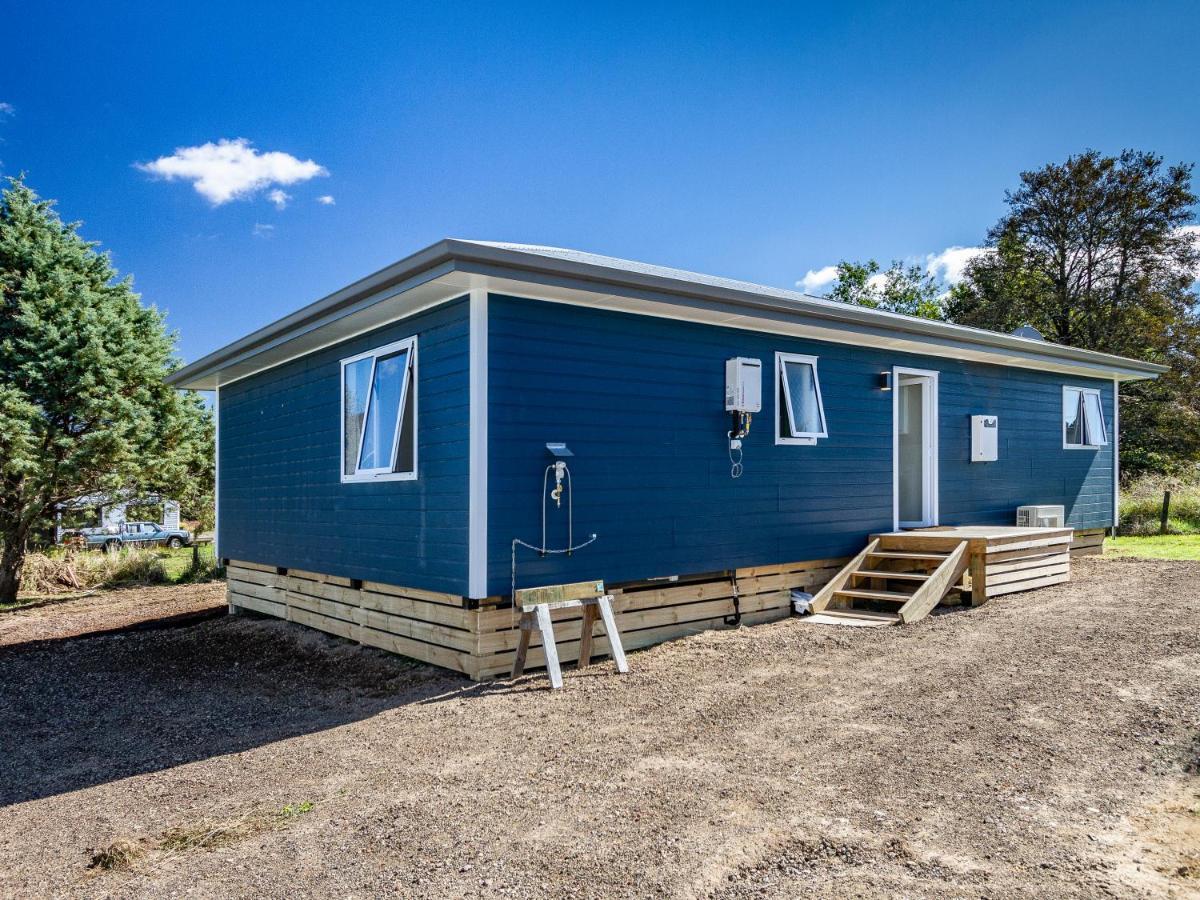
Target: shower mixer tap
(556, 494)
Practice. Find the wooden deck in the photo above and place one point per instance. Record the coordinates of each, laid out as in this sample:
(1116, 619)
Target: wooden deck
(1003, 559)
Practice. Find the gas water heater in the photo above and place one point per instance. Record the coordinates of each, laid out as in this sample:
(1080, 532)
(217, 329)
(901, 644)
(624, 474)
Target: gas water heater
(743, 398)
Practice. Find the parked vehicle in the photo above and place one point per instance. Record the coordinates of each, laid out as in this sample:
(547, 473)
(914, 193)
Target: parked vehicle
(131, 534)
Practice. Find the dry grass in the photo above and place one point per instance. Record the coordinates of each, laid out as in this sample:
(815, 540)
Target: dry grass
(58, 571)
(119, 856)
(206, 834)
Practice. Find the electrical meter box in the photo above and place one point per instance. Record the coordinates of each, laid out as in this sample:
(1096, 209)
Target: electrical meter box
(984, 443)
(743, 385)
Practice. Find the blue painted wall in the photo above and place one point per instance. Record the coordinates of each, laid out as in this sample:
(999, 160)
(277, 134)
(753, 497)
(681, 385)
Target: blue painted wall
(640, 402)
(282, 501)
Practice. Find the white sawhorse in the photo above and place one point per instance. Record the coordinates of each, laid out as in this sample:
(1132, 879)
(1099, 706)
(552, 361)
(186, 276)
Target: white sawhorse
(536, 604)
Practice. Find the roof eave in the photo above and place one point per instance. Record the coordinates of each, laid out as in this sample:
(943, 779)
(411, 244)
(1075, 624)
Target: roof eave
(397, 272)
(814, 306)
(484, 258)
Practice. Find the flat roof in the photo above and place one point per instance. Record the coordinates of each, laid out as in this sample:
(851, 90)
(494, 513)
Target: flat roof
(454, 266)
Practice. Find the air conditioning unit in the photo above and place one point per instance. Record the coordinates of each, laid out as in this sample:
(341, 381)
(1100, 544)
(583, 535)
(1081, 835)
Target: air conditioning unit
(1041, 516)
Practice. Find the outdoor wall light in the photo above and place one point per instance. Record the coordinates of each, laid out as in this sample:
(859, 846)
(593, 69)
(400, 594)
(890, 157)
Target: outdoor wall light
(885, 381)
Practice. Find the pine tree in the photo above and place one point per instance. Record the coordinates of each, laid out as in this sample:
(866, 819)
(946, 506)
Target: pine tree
(84, 407)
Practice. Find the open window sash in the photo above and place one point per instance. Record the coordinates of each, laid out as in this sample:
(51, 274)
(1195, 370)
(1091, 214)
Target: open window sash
(384, 415)
(1083, 419)
(1093, 420)
(804, 411)
(379, 415)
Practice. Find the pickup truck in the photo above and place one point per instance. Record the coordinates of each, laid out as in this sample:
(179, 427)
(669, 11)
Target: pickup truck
(131, 534)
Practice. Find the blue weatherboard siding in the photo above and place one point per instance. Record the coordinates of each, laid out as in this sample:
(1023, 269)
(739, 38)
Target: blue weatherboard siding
(282, 500)
(639, 400)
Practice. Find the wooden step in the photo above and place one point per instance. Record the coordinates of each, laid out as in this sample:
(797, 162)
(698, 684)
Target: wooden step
(946, 568)
(857, 617)
(880, 573)
(865, 594)
(898, 554)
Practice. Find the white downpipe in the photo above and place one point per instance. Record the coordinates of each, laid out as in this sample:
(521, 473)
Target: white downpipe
(1116, 451)
(217, 475)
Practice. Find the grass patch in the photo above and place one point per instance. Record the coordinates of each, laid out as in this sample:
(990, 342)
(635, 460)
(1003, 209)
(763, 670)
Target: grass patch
(176, 563)
(188, 565)
(1166, 546)
(1141, 506)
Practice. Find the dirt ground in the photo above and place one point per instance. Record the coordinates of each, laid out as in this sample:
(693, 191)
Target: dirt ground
(99, 611)
(1047, 744)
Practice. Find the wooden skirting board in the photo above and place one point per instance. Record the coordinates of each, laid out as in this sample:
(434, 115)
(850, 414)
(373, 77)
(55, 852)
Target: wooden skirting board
(1089, 542)
(481, 643)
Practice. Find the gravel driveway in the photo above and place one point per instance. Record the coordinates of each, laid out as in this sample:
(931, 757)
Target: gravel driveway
(1046, 744)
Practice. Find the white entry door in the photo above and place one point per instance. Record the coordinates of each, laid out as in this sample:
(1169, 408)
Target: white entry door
(914, 447)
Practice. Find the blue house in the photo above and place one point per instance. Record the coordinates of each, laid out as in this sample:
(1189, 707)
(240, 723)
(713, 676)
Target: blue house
(393, 458)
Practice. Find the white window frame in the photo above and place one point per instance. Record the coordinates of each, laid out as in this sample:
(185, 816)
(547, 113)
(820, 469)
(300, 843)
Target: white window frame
(807, 438)
(1083, 392)
(410, 375)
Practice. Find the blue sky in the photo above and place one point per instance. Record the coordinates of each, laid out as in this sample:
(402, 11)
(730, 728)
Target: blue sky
(758, 142)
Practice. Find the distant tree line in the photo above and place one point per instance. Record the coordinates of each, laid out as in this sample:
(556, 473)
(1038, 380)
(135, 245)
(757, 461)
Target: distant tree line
(1095, 252)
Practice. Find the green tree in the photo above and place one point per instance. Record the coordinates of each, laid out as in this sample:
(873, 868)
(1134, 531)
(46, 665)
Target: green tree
(900, 289)
(83, 403)
(1094, 253)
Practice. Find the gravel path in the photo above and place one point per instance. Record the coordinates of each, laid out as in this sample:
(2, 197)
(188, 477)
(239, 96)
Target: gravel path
(1044, 745)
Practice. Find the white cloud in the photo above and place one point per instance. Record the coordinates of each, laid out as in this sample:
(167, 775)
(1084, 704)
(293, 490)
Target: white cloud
(7, 109)
(279, 197)
(950, 266)
(263, 231)
(326, 200)
(231, 170)
(816, 279)
(947, 267)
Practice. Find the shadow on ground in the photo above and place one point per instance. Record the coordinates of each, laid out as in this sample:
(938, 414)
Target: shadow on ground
(84, 711)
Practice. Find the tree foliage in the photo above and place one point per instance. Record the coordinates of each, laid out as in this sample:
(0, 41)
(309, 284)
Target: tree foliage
(84, 407)
(1094, 252)
(910, 289)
